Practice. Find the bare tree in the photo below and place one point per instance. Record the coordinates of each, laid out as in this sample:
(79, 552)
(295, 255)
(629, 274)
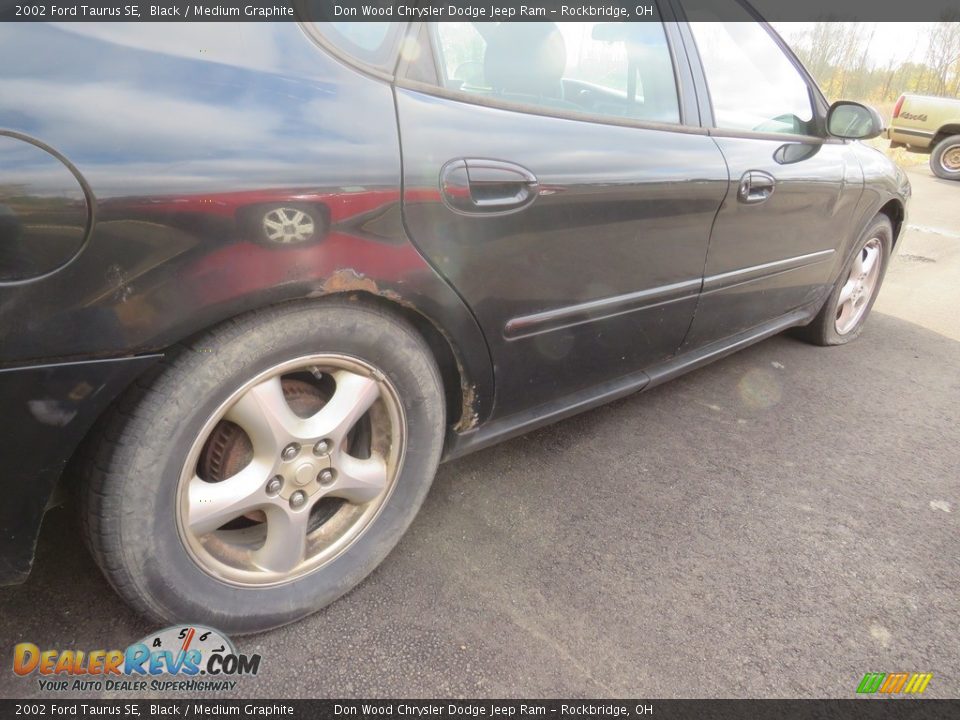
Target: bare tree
(943, 51)
(837, 54)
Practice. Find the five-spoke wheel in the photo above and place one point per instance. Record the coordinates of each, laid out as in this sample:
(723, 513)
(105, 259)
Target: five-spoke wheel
(862, 283)
(290, 469)
(846, 308)
(252, 483)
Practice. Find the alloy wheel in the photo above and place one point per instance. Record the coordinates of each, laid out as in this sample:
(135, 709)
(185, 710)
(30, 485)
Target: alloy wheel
(860, 286)
(290, 470)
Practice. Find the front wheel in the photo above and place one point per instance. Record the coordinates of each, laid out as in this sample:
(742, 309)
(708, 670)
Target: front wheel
(945, 158)
(267, 469)
(841, 318)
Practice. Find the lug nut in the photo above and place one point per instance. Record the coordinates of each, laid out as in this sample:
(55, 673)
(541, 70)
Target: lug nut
(298, 499)
(274, 485)
(326, 476)
(322, 447)
(290, 451)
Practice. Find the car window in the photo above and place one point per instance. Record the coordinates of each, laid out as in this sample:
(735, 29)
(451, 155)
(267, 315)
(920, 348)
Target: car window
(372, 43)
(620, 70)
(753, 84)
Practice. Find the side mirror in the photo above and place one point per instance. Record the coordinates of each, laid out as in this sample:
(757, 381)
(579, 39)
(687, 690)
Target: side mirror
(853, 121)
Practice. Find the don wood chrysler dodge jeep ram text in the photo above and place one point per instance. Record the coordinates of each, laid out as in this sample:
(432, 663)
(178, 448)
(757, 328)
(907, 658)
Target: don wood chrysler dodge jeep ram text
(257, 281)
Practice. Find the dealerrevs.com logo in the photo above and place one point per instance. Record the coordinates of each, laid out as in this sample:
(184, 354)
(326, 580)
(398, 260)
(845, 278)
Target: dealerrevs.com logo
(186, 658)
(894, 683)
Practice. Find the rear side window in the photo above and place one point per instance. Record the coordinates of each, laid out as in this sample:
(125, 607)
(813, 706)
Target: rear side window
(619, 70)
(370, 43)
(753, 84)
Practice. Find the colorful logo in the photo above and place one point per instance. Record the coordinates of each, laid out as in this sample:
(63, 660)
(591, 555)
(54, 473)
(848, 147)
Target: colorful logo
(179, 651)
(892, 683)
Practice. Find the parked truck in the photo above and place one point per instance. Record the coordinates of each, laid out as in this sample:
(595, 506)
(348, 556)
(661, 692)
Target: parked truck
(922, 123)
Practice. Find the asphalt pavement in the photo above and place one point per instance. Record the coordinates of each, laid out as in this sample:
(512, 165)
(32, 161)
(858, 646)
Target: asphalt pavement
(774, 525)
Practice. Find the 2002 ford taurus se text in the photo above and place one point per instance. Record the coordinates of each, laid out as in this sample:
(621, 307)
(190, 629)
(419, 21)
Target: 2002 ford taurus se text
(257, 281)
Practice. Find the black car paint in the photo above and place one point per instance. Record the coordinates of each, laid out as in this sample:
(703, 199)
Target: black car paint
(767, 259)
(644, 198)
(47, 411)
(176, 136)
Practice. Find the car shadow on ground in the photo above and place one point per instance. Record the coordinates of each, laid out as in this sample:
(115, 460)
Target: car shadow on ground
(788, 514)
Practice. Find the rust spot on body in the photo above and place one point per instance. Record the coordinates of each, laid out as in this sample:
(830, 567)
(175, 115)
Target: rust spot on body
(348, 280)
(468, 417)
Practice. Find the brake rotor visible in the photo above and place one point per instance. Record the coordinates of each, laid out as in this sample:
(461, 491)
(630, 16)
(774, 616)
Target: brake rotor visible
(229, 449)
(290, 469)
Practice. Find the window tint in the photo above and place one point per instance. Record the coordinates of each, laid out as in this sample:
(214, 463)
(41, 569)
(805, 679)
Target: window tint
(619, 70)
(753, 85)
(370, 42)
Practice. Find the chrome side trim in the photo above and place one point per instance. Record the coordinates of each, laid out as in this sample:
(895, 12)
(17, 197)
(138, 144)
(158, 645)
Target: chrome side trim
(601, 309)
(564, 317)
(757, 272)
(918, 133)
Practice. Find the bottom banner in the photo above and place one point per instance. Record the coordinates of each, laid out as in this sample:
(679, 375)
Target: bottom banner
(702, 709)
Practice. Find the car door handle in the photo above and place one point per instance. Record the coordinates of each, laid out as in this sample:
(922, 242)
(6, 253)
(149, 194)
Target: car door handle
(756, 186)
(476, 186)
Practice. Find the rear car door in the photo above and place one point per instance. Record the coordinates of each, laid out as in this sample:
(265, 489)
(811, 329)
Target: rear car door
(792, 190)
(557, 176)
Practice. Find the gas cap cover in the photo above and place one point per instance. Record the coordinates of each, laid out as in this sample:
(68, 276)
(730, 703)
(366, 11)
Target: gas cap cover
(44, 210)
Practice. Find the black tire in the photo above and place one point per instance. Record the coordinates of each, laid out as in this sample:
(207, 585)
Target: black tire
(937, 164)
(822, 330)
(128, 501)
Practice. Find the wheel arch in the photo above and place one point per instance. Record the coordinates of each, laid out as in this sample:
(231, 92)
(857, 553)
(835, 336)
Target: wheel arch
(896, 212)
(460, 389)
(944, 132)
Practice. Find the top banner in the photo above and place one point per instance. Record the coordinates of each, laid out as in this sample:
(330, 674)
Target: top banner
(473, 10)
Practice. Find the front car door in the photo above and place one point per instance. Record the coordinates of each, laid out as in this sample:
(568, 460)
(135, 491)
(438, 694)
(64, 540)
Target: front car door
(792, 194)
(557, 176)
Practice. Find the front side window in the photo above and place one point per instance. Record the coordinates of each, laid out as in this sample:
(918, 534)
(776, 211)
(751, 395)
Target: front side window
(753, 85)
(619, 70)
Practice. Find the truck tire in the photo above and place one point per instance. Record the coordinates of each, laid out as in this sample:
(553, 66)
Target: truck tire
(945, 158)
(265, 468)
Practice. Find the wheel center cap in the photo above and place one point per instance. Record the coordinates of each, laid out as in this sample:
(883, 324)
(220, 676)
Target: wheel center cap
(304, 474)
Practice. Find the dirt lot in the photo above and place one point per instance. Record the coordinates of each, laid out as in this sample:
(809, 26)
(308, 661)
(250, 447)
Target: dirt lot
(787, 517)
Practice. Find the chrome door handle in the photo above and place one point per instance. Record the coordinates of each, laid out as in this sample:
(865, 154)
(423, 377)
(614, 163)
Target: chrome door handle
(476, 186)
(756, 186)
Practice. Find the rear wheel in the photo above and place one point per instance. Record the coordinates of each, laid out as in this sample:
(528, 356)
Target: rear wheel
(841, 318)
(945, 158)
(265, 470)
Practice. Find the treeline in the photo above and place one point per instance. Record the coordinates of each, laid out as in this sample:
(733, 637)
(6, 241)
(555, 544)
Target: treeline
(836, 54)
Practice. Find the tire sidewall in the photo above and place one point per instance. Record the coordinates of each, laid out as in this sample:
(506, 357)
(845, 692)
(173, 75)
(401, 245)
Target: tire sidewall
(148, 529)
(936, 158)
(879, 228)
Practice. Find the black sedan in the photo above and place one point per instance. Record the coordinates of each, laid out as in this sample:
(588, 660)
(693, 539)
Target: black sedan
(257, 281)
